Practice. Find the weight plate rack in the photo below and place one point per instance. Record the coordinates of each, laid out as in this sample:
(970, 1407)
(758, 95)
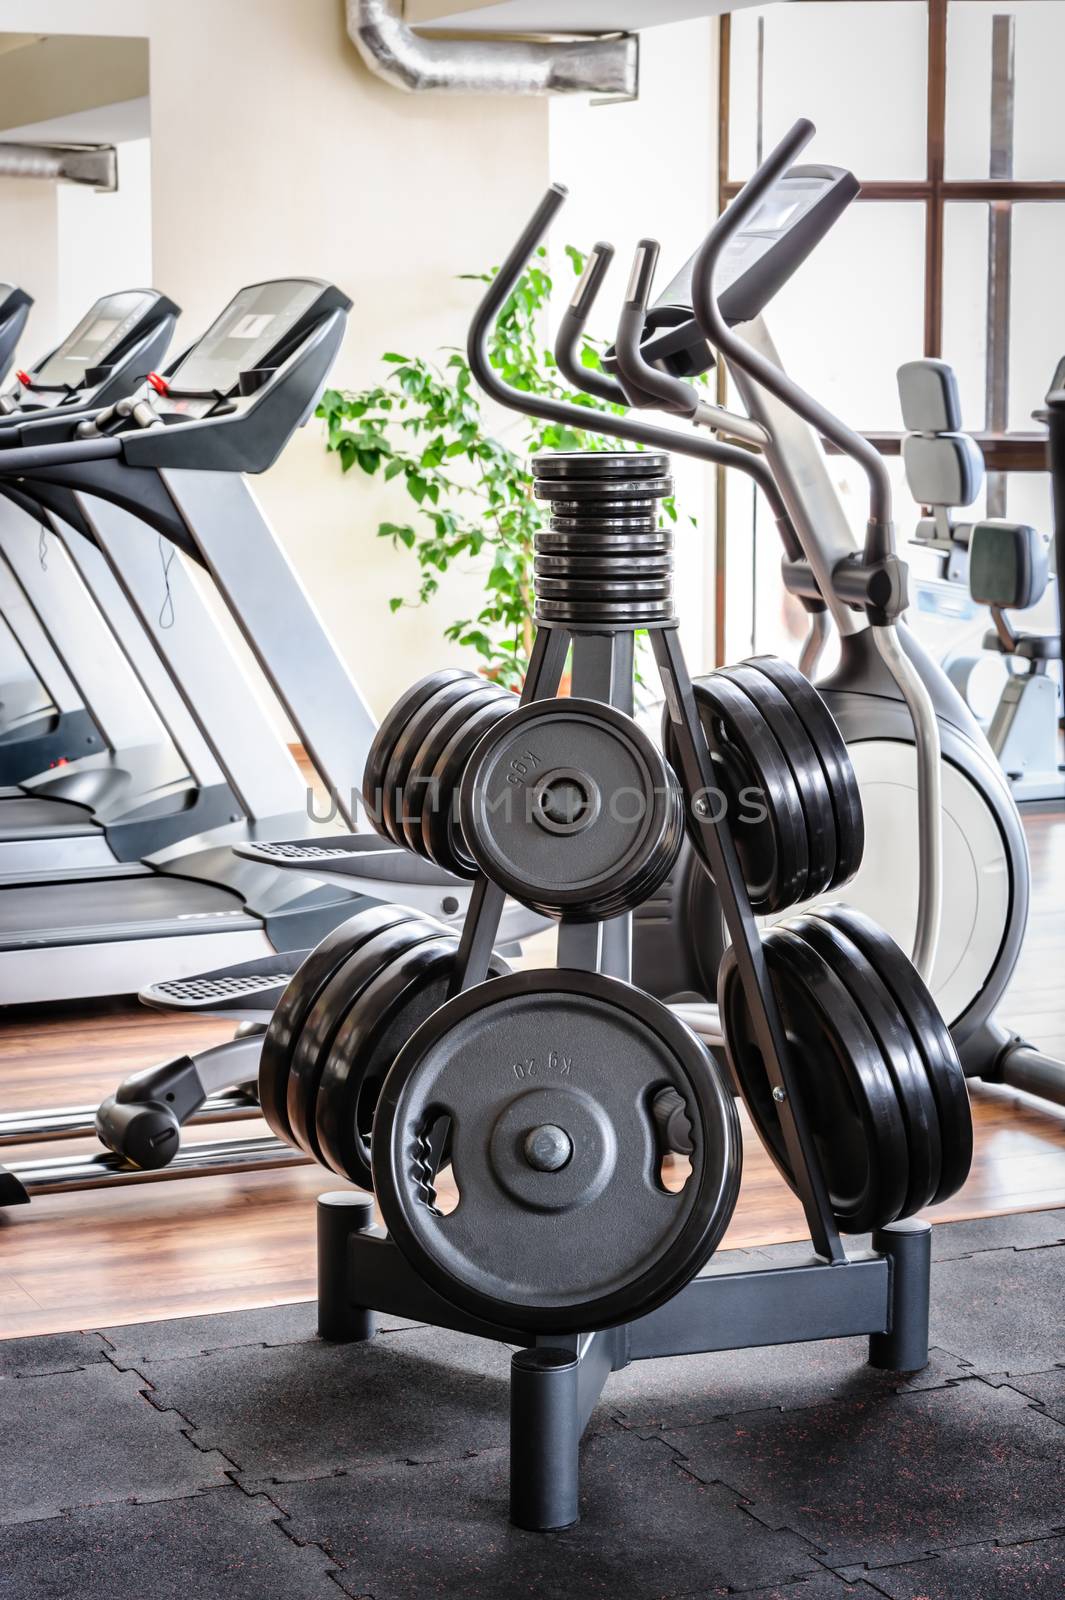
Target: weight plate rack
(521, 1059)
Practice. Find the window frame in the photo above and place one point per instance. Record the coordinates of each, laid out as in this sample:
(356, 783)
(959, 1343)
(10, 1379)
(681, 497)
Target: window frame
(1004, 452)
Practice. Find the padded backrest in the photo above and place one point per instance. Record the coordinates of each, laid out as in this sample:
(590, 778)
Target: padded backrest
(947, 470)
(1008, 564)
(928, 392)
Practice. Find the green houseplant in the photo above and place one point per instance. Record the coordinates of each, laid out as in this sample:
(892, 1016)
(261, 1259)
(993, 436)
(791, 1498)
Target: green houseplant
(471, 495)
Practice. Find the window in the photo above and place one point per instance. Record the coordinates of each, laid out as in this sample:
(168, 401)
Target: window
(948, 111)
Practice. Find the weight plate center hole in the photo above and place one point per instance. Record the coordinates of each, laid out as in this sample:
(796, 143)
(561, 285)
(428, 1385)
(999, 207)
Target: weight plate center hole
(565, 801)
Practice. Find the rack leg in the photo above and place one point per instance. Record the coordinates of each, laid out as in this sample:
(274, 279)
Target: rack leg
(341, 1213)
(908, 1246)
(544, 1438)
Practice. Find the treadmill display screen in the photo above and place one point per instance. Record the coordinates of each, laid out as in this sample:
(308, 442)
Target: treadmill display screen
(98, 333)
(253, 324)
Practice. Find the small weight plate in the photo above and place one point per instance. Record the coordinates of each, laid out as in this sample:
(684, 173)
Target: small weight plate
(582, 590)
(808, 772)
(420, 792)
(639, 613)
(602, 519)
(639, 492)
(773, 852)
(395, 721)
(589, 533)
(594, 465)
(442, 839)
(900, 1049)
(327, 1013)
(833, 755)
(379, 1022)
(911, 995)
(849, 1097)
(546, 1080)
(596, 566)
(569, 807)
(405, 748)
(298, 998)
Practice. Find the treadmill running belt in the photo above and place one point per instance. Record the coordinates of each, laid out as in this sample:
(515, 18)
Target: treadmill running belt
(96, 910)
(37, 817)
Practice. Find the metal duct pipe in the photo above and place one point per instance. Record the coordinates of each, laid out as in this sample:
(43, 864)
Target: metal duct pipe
(407, 60)
(94, 164)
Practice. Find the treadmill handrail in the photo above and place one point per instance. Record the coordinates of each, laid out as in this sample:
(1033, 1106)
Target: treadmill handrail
(33, 458)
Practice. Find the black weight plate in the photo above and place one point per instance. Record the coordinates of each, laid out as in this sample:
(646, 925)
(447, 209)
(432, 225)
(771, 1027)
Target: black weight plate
(395, 721)
(602, 519)
(589, 536)
(327, 1013)
(612, 591)
(594, 465)
(641, 613)
(637, 492)
(569, 807)
(834, 756)
(593, 566)
(774, 853)
(442, 838)
(900, 1049)
(911, 995)
(378, 1024)
(806, 767)
(847, 1092)
(397, 771)
(598, 1240)
(300, 994)
(420, 791)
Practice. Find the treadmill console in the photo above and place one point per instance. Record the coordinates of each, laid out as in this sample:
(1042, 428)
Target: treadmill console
(113, 331)
(14, 309)
(241, 390)
(794, 217)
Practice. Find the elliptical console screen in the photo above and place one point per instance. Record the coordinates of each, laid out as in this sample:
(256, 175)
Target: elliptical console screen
(250, 327)
(99, 332)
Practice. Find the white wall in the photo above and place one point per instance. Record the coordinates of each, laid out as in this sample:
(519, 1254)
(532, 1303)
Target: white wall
(274, 152)
(649, 169)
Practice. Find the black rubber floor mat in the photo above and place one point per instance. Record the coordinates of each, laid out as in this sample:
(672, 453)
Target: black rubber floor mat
(223, 1545)
(889, 1480)
(238, 1456)
(647, 1528)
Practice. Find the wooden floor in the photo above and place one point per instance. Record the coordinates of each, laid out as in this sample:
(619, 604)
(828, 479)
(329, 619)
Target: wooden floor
(169, 1249)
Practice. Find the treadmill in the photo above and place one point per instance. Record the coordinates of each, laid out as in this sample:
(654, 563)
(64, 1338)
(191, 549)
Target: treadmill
(171, 462)
(131, 773)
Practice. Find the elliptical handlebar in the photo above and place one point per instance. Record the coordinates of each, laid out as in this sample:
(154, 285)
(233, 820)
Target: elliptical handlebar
(572, 326)
(590, 418)
(880, 535)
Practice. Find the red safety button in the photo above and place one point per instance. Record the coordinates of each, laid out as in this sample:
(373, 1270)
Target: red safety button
(24, 378)
(159, 384)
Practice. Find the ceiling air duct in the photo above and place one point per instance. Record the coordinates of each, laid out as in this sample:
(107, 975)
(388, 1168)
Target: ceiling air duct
(607, 65)
(94, 164)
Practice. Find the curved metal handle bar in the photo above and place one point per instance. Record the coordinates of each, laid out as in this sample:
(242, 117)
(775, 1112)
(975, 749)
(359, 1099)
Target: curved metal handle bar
(673, 394)
(587, 418)
(28, 458)
(571, 330)
(880, 537)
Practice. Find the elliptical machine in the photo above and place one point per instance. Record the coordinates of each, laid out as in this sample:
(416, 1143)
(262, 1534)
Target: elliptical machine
(924, 766)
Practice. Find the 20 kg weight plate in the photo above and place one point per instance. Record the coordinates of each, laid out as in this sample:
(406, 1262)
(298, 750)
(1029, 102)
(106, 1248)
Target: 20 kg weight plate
(568, 806)
(848, 1094)
(325, 1016)
(755, 776)
(926, 1023)
(545, 1082)
(391, 727)
(834, 757)
(900, 1049)
(383, 1015)
(299, 996)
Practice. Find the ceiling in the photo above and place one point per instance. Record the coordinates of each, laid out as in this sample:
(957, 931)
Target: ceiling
(561, 16)
(42, 79)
